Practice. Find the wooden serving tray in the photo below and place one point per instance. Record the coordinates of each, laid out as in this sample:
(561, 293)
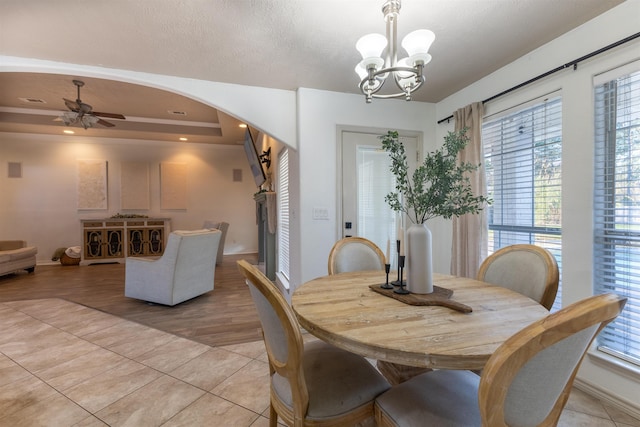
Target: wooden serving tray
(439, 296)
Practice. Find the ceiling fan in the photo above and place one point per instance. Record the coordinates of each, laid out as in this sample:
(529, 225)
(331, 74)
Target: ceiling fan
(83, 114)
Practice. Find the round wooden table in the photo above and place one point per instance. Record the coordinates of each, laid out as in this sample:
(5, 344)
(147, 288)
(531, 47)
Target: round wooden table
(342, 310)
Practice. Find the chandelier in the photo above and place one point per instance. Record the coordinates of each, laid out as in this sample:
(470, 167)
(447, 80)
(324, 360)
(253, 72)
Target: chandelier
(407, 72)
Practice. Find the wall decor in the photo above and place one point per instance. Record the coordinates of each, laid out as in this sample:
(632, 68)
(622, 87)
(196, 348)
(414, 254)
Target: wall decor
(134, 185)
(173, 185)
(92, 184)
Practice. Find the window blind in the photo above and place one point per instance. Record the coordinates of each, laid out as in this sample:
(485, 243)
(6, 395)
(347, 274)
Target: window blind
(523, 163)
(617, 207)
(283, 214)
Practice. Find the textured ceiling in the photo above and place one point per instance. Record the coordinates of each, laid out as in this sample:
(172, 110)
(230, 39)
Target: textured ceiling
(282, 44)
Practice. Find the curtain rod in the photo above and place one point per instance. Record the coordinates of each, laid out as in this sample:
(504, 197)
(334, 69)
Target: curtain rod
(573, 64)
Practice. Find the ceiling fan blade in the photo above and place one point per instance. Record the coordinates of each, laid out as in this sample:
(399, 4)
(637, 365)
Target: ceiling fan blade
(71, 105)
(105, 123)
(109, 115)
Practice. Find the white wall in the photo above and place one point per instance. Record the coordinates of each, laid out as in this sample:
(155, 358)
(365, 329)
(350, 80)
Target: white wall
(319, 115)
(41, 207)
(622, 382)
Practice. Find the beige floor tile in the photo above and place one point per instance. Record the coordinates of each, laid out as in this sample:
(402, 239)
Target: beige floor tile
(54, 411)
(44, 309)
(211, 410)
(90, 421)
(582, 402)
(20, 394)
(11, 371)
(173, 354)
(210, 368)
(60, 351)
(78, 369)
(110, 386)
(253, 349)
(571, 418)
(249, 387)
(621, 417)
(130, 339)
(84, 322)
(151, 405)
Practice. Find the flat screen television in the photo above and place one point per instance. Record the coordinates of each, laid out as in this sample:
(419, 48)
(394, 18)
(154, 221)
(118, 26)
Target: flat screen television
(254, 160)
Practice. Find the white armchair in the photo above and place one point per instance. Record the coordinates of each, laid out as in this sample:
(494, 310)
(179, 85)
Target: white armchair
(185, 270)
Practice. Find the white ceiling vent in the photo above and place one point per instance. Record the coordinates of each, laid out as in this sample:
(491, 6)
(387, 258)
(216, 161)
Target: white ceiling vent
(177, 113)
(33, 100)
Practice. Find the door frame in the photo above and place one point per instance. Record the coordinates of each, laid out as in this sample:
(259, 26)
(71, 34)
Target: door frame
(340, 129)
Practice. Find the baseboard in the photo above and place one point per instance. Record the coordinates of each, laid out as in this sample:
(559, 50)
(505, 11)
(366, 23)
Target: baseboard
(623, 405)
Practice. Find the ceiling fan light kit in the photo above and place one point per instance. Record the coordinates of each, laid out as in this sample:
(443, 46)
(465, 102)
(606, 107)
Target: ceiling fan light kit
(82, 114)
(407, 73)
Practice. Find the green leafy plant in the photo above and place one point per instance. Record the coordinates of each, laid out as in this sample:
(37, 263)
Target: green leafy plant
(439, 187)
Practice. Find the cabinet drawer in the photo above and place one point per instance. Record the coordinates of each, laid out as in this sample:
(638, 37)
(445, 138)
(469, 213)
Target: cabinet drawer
(114, 224)
(93, 224)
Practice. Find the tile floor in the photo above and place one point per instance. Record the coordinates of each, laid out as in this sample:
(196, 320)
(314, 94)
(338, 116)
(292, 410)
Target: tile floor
(63, 364)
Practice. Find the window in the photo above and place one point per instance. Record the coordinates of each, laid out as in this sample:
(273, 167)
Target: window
(522, 159)
(617, 205)
(283, 214)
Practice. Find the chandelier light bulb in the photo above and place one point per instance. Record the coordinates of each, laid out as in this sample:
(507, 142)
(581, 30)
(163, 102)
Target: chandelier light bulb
(371, 45)
(418, 41)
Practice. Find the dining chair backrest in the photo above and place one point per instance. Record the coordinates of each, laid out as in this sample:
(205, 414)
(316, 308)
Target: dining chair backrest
(528, 379)
(313, 383)
(355, 254)
(528, 269)
(282, 336)
(525, 382)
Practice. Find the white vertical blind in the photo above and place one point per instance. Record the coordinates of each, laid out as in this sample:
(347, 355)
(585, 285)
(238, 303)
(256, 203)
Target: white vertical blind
(283, 213)
(617, 207)
(523, 163)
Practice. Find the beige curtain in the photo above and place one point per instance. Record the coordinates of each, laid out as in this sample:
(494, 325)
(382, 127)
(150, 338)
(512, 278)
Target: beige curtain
(469, 246)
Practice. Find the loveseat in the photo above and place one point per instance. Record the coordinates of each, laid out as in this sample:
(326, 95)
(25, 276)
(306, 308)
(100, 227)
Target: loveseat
(15, 255)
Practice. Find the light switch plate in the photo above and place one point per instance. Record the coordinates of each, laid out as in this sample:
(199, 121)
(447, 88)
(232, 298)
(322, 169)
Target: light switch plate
(320, 213)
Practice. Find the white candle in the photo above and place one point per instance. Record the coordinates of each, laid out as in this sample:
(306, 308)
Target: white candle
(401, 238)
(387, 259)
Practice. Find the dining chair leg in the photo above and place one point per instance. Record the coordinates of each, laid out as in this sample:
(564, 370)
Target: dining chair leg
(273, 416)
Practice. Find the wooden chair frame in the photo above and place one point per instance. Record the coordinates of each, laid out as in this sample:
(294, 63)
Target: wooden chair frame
(513, 354)
(335, 251)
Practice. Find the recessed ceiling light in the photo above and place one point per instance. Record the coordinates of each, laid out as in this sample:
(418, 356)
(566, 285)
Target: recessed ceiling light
(183, 139)
(242, 125)
(70, 132)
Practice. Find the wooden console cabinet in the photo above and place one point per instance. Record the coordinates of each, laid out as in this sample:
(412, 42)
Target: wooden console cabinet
(114, 239)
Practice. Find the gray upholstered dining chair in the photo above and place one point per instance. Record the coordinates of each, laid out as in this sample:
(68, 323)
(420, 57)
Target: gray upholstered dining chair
(526, 382)
(355, 254)
(312, 383)
(527, 269)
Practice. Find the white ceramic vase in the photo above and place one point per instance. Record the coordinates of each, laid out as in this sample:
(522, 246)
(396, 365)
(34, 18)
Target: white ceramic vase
(418, 264)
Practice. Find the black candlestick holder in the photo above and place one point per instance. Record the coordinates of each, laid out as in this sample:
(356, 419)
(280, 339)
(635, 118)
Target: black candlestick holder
(397, 281)
(401, 287)
(386, 284)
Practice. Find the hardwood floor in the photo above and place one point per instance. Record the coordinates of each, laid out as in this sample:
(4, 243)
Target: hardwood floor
(221, 317)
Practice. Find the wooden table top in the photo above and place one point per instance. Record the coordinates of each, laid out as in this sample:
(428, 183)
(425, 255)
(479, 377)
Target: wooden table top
(342, 310)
